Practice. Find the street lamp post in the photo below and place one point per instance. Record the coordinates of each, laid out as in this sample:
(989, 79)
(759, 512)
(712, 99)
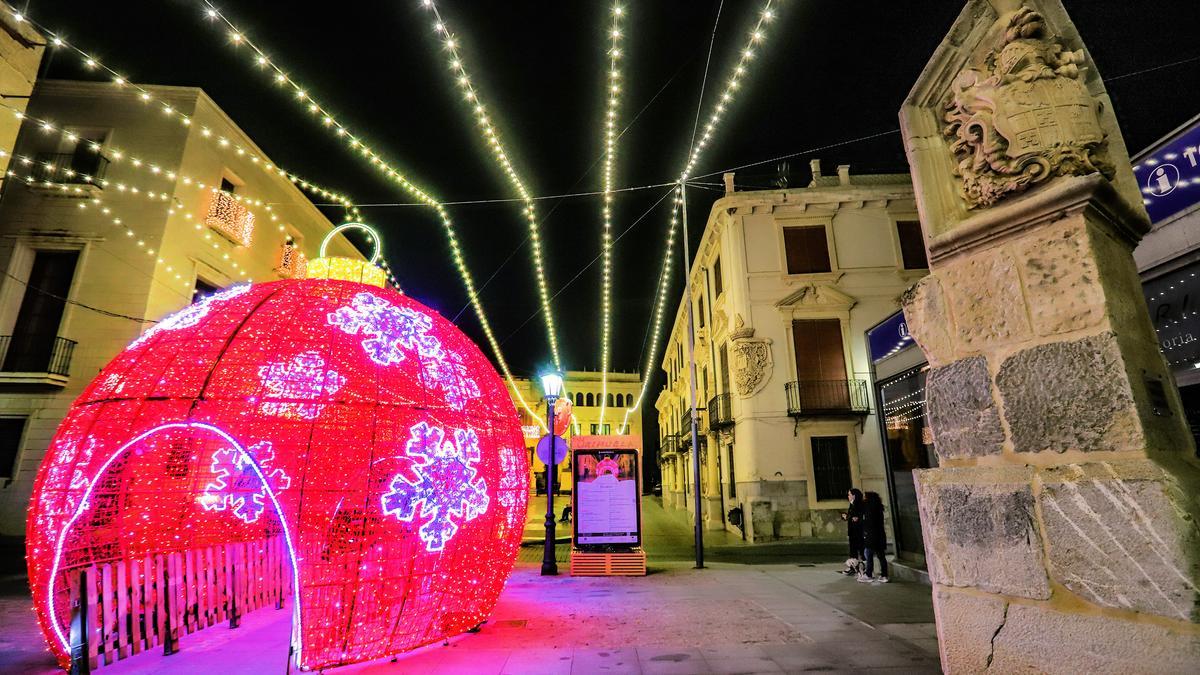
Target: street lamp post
(552, 387)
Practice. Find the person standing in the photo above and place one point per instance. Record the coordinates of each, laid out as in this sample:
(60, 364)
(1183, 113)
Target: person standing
(874, 538)
(853, 515)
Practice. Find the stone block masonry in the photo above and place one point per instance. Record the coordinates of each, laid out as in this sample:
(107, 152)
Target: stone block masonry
(1061, 527)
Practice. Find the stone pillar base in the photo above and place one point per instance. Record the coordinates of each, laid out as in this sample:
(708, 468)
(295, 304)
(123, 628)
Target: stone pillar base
(980, 632)
(713, 517)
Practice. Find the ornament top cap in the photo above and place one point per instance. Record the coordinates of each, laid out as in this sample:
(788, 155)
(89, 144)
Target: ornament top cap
(349, 269)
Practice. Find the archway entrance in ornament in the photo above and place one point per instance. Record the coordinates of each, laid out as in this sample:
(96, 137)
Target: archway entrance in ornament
(180, 529)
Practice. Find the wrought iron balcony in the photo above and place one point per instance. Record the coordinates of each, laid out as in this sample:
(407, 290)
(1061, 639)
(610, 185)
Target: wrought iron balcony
(669, 445)
(815, 398)
(28, 360)
(720, 411)
(70, 168)
(685, 427)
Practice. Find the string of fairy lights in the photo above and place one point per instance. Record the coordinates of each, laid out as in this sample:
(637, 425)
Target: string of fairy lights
(728, 96)
(146, 95)
(363, 149)
(451, 44)
(613, 98)
(491, 136)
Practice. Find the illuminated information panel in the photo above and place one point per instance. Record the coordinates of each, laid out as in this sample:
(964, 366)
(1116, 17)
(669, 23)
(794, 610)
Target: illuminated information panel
(607, 498)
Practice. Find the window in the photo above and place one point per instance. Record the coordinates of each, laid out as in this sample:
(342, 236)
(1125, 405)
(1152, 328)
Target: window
(579, 399)
(203, 289)
(590, 400)
(807, 249)
(820, 365)
(701, 311)
(912, 245)
(11, 430)
(718, 283)
(603, 430)
(35, 334)
(228, 186)
(725, 367)
(609, 401)
(732, 482)
(831, 467)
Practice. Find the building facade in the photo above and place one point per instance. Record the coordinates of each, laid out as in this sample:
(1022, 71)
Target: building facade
(785, 285)
(585, 390)
(114, 218)
(21, 49)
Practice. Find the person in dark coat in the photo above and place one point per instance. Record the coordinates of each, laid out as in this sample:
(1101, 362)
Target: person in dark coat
(853, 515)
(874, 537)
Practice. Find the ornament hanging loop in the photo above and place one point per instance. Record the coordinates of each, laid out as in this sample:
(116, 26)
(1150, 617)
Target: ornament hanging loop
(372, 238)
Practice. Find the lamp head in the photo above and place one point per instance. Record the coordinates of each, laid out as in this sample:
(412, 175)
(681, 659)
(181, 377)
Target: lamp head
(552, 384)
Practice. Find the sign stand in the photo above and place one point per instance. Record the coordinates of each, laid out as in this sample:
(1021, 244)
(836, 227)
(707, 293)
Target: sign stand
(607, 532)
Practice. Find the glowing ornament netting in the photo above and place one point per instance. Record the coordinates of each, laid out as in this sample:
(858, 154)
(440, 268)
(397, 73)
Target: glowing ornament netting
(382, 433)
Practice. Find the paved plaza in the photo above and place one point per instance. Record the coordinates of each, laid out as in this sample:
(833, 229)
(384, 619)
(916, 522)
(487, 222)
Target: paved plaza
(765, 614)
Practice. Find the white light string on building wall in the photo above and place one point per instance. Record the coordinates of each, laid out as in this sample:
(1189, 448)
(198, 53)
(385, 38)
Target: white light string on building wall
(613, 98)
(364, 150)
(491, 137)
(56, 41)
(726, 99)
(51, 180)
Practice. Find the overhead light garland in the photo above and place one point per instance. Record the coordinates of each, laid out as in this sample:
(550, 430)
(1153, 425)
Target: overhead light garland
(491, 137)
(734, 83)
(660, 305)
(728, 95)
(613, 97)
(363, 149)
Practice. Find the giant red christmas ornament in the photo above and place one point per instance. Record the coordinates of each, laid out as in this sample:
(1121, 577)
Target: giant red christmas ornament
(357, 424)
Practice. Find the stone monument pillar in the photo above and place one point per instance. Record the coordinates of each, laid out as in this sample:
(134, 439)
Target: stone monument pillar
(1061, 525)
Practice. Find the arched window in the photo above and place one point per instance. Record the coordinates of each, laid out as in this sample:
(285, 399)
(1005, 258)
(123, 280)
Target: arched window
(589, 400)
(621, 400)
(579, 399)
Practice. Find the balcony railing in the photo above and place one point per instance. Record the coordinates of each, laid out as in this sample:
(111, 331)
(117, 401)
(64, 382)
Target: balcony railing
(669, 445)
(227, 215)
(685, 428)
(812, 398)
(70, 168)
(25, 355)
(292, 262)
(720, 411)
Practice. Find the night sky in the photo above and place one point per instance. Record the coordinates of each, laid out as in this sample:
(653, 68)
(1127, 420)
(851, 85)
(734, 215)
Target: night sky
(829, 71)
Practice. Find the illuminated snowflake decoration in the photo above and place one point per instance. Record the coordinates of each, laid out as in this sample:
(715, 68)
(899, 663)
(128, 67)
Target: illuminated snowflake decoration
(449, 375)
(295, 386)
(392, 330)
(237, 486)
(192, 314)
(446, 485)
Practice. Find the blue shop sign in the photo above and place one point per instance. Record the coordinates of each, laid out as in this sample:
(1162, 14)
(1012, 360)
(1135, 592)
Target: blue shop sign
(1169, 173)
(889, 337)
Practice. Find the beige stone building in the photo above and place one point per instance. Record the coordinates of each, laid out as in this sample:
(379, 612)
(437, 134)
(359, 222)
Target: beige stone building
(785, 285)
(85, 227)
(585, 389)
(21, 48)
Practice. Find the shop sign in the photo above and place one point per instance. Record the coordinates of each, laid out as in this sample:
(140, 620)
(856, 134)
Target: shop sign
(1169, 173)
(889, 337)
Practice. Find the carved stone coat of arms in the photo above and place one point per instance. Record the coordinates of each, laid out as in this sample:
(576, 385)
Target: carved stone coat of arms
(1023, 115)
